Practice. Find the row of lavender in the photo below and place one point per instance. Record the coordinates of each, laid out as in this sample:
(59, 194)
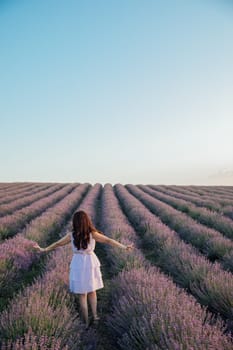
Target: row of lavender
(20, 192)
(225, 191)
(222, 202)
(209, 241)
(12, 223)
(10, 185)
(7, 189)
(43, 316)
(17, 255)
(208, 282)
(148, 310)
(220, 190)
(205, 216)
(27, 198)
(213, 202)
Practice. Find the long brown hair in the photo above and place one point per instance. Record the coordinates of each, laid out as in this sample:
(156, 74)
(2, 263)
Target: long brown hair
(82, 227)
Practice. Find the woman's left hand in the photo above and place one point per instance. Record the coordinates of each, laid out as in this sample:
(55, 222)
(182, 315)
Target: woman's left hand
(37, 247)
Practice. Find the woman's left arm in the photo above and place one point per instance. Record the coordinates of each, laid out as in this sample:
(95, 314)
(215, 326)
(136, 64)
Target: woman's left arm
(63, 241)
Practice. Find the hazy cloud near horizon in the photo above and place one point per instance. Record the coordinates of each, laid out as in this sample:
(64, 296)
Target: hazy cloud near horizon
(222, 176)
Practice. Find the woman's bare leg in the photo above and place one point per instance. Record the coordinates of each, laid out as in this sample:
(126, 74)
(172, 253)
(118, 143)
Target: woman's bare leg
(92, 298)
(84, 307)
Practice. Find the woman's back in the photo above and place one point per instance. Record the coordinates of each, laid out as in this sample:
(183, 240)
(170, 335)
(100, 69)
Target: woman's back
(90, 246)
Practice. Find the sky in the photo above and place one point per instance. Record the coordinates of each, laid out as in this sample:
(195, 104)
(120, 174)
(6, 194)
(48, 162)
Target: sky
(116, 91)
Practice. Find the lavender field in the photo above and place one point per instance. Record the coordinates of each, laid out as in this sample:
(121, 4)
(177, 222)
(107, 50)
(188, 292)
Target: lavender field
(173, 291)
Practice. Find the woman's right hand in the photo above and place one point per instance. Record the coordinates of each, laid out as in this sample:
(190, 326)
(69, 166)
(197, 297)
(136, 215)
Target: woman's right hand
(129, 247)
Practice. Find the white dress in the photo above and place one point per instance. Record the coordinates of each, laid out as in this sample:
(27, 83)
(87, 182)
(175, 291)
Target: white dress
(85, 275)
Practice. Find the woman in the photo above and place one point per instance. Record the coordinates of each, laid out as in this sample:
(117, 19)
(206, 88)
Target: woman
(85, 275)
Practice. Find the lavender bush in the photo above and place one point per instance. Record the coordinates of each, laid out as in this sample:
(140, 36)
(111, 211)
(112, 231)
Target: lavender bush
(115, 225)
(210, 242)
(89, 204)
(199, 201)
(26, 200)
(228, 211)
(30, 341)
(218, 296)
(19, 192)
(225, 194)
(217, 203)
(10, 224)
(45, 307)
(131, 318)
(198, 192)
(203, 215)
(150, 312)
(9, 189)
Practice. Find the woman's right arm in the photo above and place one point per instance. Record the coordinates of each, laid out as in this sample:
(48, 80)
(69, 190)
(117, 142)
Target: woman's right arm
(63, 241)
(104, 239)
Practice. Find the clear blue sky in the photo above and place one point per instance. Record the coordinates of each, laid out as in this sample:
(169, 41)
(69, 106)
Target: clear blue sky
(116, 91)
